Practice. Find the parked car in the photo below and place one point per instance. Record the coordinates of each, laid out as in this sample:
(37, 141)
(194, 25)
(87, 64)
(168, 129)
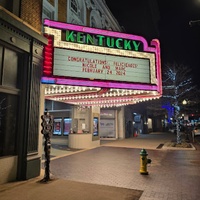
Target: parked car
(196, 130)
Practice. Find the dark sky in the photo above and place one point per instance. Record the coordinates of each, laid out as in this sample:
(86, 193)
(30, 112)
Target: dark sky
(179, 42)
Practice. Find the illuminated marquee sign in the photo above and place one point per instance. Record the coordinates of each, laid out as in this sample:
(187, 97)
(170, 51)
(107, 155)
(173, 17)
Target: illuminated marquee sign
(87, 56)
(100, 66)
(101, 40)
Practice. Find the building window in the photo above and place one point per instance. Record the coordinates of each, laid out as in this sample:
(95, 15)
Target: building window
(8, 124)
(10, 70)
(12, 5)
(93, 23)
(74, 6)
(50, 9)
(9, 100)
(47, 13)
(76, 12)
(1, 61)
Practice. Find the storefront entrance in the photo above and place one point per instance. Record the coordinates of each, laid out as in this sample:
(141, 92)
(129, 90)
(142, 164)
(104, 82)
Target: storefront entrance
(108, 124)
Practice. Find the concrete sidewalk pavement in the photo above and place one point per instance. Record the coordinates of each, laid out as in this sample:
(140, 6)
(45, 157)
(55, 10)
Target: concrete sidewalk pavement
(154, 140)
(146, 141)
(60, 189)
(115, 165)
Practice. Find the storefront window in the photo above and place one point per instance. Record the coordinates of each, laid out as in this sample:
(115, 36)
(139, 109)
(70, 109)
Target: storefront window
(8, 124)
(9, 102)
(10, 68)
(1, 58)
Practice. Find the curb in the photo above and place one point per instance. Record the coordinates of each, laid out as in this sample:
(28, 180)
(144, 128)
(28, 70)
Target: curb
(166, 147)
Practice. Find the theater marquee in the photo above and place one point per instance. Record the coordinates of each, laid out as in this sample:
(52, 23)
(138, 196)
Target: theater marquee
(87, 56)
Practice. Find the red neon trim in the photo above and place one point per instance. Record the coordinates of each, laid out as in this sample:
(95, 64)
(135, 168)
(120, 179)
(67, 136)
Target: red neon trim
(48, 57)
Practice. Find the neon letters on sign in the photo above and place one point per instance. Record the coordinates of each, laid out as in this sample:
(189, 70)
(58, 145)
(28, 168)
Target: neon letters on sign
(101, 58)
(101, 40)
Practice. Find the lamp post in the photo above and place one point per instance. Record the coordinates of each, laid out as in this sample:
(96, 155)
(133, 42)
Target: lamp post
(194, 23)
(184, 103)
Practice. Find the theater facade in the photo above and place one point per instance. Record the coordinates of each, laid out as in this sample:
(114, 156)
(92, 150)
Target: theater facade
(98, 72)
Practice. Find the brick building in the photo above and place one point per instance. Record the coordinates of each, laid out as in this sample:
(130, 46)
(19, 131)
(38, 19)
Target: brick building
(21, 55)
(22, 95)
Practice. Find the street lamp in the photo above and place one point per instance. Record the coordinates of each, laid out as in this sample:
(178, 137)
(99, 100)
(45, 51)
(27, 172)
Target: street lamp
(184, 102)
(194, 23)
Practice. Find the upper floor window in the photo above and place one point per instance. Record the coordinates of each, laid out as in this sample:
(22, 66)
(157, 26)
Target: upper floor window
(74, 6)
(49, 10)
(12, 5)
(47, 13)
(93, 22)
(76, 12)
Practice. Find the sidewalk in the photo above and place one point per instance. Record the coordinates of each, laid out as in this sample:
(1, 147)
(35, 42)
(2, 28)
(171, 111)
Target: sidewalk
(65, 190)
(112, 172)
(146, 141)
(60, 148)
(154, 140)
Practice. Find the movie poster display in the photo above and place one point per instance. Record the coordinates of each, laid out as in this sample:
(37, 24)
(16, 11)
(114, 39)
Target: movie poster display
(95, 126)
(57, 126)
(67, 126)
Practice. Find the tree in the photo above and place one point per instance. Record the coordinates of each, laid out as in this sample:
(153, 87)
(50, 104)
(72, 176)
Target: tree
(178, 86)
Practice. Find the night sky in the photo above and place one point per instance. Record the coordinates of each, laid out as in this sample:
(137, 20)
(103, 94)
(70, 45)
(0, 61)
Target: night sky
(179, 42)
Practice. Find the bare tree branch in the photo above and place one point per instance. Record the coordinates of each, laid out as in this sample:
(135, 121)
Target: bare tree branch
(177, 86)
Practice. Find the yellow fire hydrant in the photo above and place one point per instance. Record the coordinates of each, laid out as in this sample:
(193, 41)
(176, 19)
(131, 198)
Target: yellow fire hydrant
(144, 161)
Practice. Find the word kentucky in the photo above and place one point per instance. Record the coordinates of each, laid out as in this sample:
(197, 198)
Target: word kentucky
(101, 40)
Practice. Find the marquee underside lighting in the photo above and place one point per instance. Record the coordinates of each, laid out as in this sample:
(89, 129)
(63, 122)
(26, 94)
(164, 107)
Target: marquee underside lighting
(93, 96)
